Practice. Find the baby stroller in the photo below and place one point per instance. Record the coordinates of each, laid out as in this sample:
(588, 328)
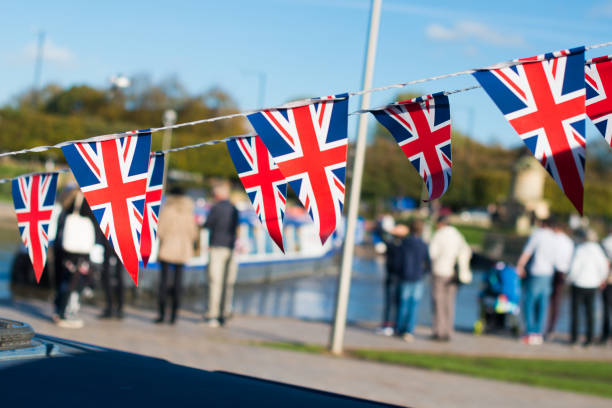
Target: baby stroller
(499, 300)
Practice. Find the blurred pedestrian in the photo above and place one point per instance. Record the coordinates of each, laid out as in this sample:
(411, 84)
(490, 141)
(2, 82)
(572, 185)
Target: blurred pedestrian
(415, 265)
(177, 232)
(111, 279)
(607, 291)
(76, 233)
(588, 272)
(563, 259)
(450, 258)
(222, 223)
(393, 266)
(536, 266)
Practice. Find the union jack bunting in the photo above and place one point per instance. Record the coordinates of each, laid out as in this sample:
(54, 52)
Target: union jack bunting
(33, 198)
(155, 179)
(308, 143)
(422, 128)
(112, 175)
(263, 182)
(543, 98)
(598, 78)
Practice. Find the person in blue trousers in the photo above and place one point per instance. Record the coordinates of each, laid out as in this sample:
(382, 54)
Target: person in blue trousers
(536, 266)
(415, 264)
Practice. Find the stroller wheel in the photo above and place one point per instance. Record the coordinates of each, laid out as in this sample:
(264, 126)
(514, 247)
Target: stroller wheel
(478, 327)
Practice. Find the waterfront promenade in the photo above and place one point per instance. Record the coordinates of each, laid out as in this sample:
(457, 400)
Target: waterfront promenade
(235, 349)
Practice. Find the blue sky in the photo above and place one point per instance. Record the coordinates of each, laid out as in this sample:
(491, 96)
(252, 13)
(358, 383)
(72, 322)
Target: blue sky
(304, 47)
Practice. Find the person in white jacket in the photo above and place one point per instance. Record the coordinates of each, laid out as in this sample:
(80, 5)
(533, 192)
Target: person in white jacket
(536, 266)
(606, 293)
(447, 249)
(588, 272)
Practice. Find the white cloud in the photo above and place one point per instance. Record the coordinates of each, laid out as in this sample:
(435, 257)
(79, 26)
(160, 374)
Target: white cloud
(470, 51)
(472, 31)
(51, 53)
(602, 10)
(437, 31)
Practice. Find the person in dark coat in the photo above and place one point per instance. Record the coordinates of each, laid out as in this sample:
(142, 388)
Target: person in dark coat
(393, 267)
(415, 264)
(222, 223)
(111, 279)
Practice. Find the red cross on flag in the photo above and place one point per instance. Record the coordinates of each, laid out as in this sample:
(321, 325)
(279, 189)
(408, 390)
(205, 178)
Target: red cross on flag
(422, 128)
(598, 77)
(263, 182)
(33, 197)
(112, 175)
(308, 143)
(543, 98)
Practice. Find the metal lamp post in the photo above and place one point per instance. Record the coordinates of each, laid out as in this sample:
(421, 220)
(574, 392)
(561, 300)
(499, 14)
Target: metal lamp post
(168, 119)
(344, 280)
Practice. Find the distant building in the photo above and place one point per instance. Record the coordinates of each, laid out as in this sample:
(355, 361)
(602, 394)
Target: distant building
(527, 194)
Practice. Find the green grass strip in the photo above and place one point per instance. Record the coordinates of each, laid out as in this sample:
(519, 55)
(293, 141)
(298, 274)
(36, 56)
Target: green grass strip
(581, 376)
(587, 377)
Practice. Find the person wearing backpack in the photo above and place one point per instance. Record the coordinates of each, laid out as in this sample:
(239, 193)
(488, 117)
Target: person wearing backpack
(76, 235)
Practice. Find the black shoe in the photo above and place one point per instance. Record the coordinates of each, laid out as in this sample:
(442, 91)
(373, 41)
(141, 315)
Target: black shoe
(119, 314)
(105, 315)
(212, 323)
(587, 344)
(602, 341)
(159, 320)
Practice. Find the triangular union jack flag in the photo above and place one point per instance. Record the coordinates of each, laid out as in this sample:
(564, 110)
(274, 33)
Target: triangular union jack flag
(543, 98)
(33, 198)
(308, 142)
(112, 175)
(263, 182)
(422, 128)
(155, 179)
(598, 77)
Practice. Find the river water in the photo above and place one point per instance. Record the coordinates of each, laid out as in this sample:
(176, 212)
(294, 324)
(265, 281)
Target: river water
(312, 297)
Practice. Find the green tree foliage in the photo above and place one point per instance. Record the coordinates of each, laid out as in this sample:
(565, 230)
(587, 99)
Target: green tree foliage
(55, 114)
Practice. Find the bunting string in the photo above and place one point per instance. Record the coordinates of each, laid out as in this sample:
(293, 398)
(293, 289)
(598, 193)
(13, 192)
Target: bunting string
(207, 143)
(100, 138)
(455, 74)
(421, 99)
(8, 180)
(595, 46)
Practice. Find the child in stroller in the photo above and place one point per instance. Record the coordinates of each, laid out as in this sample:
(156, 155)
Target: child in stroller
(499, 300)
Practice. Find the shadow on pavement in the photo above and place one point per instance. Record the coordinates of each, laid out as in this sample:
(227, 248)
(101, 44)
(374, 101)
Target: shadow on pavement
(28, 308)
(84, 375)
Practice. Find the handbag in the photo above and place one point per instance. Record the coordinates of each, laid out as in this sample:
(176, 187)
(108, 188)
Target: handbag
(462, 272)
(79, 234)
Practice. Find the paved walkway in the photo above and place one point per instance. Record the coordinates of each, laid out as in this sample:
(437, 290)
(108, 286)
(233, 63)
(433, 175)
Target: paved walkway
(230, 349)
(360, 337)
